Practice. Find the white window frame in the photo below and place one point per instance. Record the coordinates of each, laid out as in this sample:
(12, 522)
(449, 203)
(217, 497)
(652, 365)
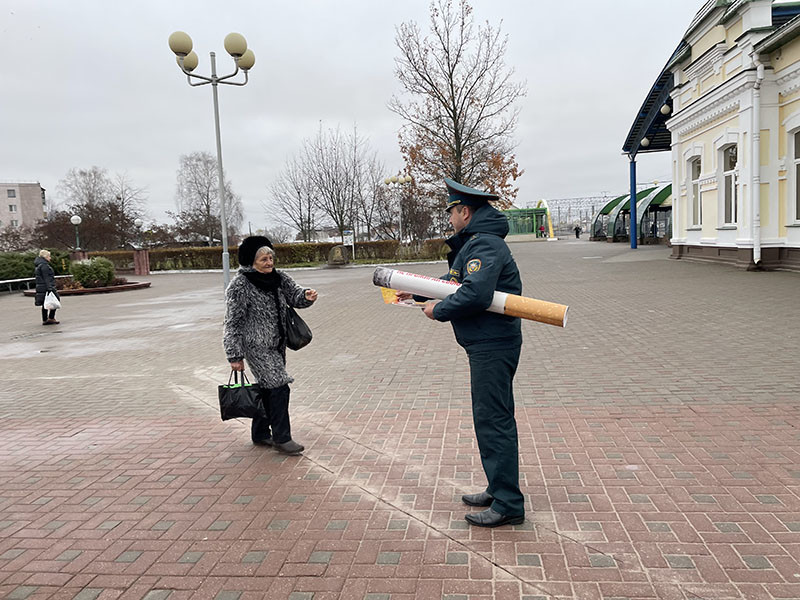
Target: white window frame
(794, 180)
(695, 192)
(12, 208)
(14, 223)
(731, 175)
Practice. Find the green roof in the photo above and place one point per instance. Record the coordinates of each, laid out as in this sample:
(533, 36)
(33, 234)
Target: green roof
(610, 206)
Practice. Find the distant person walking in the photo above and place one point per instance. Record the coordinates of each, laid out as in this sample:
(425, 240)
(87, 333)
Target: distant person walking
(45, 282)
(255, 331)
(578, 232)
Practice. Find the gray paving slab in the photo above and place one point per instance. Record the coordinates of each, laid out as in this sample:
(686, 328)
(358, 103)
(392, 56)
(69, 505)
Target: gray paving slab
(658, 434)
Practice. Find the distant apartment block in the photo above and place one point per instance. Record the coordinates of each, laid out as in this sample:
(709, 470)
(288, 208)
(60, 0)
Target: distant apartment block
(21, 203)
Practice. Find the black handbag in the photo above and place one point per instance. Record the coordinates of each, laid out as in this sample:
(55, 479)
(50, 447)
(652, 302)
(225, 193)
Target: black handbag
(298, 333)
(240, 399)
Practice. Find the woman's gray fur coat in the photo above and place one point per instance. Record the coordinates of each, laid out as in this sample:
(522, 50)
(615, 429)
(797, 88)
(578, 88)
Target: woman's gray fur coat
(251, 327)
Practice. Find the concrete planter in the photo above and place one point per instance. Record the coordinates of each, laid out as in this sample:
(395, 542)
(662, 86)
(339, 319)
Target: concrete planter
(133, 285)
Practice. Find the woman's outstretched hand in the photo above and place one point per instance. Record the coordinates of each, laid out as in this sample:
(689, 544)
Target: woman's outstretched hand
(311, 295)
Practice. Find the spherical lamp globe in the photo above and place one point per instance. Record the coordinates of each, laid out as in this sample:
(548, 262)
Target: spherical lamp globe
(180, 43)
(247, 60)
(235, 44)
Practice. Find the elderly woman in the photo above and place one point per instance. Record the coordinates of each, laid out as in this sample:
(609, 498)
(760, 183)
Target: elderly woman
(255, 331)
(45, 282)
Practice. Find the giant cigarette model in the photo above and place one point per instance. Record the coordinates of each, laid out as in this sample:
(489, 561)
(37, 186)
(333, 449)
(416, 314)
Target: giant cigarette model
(503, 303)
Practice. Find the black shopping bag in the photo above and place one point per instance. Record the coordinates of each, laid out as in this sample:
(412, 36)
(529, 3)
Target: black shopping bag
(240, 399)
(298, 333)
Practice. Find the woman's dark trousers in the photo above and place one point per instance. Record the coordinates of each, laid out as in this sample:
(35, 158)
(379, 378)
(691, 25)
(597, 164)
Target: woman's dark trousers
(491, 381)
(276, 424)
(45, 315)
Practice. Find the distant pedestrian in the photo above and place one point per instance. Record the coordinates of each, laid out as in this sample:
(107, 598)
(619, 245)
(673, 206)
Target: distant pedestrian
(541, 230)
(578, 232)
(45, 282)
(255, 331)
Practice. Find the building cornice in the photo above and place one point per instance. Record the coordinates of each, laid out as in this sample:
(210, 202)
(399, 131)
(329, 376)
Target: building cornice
(711, 60)
(789, 80)
(712, 106)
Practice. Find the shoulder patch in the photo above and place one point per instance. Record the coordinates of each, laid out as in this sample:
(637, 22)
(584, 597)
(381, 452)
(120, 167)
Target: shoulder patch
(473, 266)
(454, 272)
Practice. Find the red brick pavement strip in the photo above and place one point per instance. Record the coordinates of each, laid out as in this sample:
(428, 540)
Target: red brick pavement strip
(648, 485)
(242, 513)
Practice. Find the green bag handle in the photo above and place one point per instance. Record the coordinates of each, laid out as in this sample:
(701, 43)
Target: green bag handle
(235, 376)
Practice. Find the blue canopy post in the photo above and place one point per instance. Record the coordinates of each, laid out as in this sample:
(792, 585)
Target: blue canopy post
(633, 201)
(649, 132)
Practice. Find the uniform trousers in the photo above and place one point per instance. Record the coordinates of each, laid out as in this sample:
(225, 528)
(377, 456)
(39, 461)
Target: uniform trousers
(492, 373)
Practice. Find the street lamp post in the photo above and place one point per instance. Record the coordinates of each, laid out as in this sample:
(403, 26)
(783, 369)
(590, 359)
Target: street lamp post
(394, 182)
(235, 45)
(138, 224)
(76, 220)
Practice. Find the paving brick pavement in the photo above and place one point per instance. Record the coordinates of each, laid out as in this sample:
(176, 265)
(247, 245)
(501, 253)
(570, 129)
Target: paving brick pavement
(660, 450)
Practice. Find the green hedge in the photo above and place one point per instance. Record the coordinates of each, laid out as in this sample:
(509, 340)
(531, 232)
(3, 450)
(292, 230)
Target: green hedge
(19, 265)
(205, 257)
(121, 259)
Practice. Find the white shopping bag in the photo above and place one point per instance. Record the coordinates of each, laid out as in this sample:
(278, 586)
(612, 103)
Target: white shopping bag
(51, 302)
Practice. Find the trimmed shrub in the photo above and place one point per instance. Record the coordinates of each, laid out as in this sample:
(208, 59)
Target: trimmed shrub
(93, 272)
(205, 257)
(19, 265)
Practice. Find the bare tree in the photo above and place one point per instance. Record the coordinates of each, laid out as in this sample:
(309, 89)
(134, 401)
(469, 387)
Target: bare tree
(197, 199)
(280, 234)
(107, 208)
(385, 213)
(15, 238)
(292, 199)
(82, 187)
(128, 202)
(461, 115)
(327, 160)
(368, 174)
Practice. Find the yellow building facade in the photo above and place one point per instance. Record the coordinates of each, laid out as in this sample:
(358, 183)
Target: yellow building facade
(734, 122)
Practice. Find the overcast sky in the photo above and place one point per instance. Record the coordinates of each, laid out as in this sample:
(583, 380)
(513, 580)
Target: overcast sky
(94, 83)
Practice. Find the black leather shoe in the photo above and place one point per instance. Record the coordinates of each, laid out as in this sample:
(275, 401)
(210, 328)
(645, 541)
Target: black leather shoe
(480, 499)
(264, 442)
(291, 448)
(492, 518)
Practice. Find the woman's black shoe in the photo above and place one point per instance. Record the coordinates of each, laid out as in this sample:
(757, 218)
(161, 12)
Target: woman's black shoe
(291, 447)
(264, 442)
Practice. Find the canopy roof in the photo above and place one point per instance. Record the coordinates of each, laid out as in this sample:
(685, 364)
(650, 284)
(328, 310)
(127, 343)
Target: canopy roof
(610, 206)
(650, 122)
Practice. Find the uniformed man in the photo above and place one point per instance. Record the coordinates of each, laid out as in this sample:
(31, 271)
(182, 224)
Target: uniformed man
(481, 262)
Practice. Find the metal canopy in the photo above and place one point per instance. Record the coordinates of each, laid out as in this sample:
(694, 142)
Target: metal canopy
(610, 206)
(650, 122)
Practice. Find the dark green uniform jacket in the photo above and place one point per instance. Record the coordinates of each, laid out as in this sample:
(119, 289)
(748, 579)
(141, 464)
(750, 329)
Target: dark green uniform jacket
(482, 263)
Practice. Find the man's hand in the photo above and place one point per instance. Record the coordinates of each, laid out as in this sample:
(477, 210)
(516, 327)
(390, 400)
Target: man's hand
(237, 366)
(403, 295)
(428, 310)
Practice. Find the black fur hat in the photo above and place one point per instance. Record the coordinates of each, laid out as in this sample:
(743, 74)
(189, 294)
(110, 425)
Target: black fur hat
(249, 247)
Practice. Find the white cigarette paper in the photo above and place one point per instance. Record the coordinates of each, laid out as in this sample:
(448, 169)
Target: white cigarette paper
(502, 302)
